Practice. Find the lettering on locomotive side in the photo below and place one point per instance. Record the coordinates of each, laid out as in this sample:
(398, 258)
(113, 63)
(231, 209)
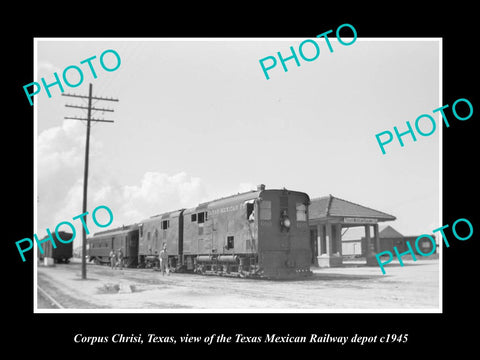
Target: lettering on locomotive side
(225, 209)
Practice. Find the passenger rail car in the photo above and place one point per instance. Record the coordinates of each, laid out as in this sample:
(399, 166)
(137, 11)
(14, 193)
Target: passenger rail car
(124, 238)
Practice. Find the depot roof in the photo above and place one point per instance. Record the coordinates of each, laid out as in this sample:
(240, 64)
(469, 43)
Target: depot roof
(389, 232)
(331, 206)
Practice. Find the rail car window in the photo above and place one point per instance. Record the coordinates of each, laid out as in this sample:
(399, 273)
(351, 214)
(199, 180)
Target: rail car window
(265, 210)
(229, 242)
(194, 217)
(165, 224)
(201, 218)
(301, 212)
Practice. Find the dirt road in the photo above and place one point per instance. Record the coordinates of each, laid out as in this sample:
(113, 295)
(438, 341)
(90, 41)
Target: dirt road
(414, 287)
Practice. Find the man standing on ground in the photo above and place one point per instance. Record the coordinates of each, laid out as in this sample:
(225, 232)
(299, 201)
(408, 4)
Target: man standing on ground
(112, 259)
(164, 260)
(120, 258)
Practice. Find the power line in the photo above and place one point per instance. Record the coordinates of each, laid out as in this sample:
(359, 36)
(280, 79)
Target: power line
(89, 119)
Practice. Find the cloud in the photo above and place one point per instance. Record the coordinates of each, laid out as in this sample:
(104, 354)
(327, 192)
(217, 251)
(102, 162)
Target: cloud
(47, 67)
(60, 163)
(158, 192)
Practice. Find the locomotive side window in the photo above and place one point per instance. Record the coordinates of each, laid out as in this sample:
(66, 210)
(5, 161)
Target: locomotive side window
(230, 242)
(301, 212)
(194, 217)
(165, 224)
(265, 210)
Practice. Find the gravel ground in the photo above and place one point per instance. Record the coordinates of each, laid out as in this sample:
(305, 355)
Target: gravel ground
(414, 287)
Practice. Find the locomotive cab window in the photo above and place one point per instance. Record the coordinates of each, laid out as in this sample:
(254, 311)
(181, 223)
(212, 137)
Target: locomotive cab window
(193, 217)
(201, 217)
(230, 243)
(301, 212)
(250, 211)
(265, 210)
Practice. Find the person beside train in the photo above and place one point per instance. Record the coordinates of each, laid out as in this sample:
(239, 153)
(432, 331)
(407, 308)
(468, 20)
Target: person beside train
(113, 259)
(164, 260)
(119, 259)
(251, 218)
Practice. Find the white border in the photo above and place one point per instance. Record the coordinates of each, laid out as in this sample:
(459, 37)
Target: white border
(235, 310)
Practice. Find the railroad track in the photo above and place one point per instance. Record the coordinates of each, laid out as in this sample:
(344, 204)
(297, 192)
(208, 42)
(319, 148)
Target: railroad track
(49, 298)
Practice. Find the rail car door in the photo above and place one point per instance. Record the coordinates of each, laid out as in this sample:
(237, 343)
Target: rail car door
(132, 247)
(209, 235)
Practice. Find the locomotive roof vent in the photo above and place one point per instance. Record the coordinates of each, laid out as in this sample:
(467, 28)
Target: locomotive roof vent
(261, 187)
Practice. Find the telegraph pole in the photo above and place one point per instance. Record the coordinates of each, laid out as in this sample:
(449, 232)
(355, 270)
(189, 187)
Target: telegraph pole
(89, 119)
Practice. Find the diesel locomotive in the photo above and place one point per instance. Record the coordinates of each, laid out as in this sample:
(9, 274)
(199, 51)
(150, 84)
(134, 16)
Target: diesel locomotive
(261, 233)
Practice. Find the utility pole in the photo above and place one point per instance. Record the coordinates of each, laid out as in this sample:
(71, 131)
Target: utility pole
(89, 119)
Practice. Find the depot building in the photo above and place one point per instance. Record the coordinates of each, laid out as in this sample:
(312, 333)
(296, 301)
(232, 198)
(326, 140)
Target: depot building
(329, 217)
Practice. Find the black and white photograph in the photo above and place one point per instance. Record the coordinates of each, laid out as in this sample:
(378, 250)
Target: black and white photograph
(225, 184)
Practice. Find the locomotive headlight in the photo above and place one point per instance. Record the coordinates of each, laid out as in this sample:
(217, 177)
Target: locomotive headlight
(285, 222)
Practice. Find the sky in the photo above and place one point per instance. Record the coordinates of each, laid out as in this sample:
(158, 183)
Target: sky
(197, 120)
